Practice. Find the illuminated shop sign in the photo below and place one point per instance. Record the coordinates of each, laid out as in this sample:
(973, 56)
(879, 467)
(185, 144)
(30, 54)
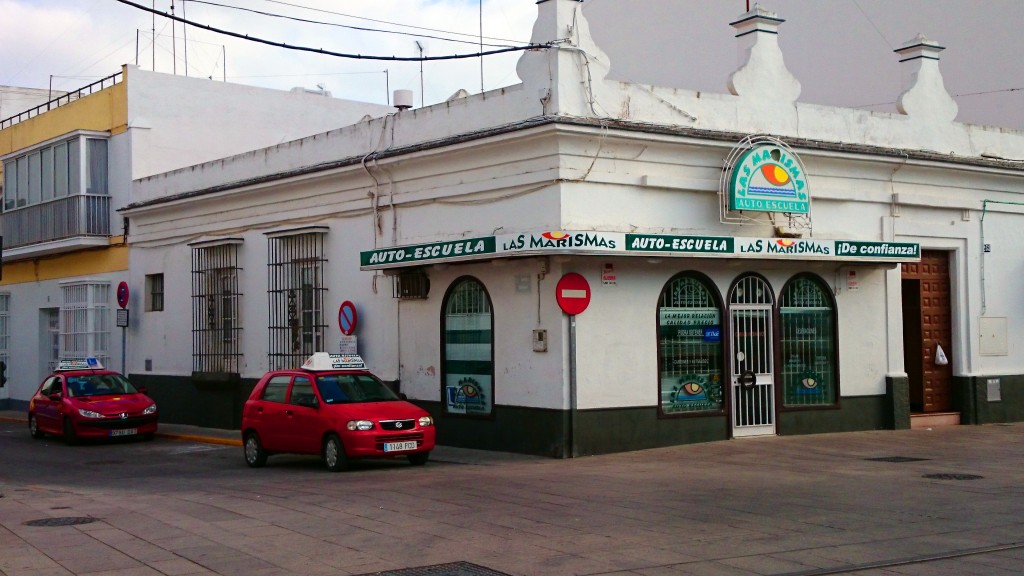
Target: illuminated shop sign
(618, 243)
(769, 178)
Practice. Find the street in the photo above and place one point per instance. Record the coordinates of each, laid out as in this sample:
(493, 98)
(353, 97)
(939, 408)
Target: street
(942, 501)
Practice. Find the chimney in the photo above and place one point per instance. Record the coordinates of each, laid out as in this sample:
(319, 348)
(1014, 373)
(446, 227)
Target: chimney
(762, 73)
(403, 99)
(924, 94)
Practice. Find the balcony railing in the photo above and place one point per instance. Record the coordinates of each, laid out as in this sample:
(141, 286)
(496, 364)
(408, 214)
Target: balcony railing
(63, 99)
(63, 218)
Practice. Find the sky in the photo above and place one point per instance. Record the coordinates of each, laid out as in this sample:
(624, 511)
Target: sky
(840, 50)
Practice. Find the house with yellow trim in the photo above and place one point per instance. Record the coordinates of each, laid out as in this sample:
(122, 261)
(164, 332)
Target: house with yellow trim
(66, 167)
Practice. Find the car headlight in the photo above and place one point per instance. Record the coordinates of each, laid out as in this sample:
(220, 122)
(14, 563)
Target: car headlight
(150, 409)
(360, 425)
(89, 413)
(426, 421)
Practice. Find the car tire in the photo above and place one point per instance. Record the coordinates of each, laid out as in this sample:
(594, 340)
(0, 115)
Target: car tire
(70, 437)
(255, 455)
(33, 427)
(334, 454)
(419, 458)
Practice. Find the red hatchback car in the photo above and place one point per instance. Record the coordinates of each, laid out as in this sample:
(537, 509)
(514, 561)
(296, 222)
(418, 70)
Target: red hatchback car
(332, 406)
(83, 400)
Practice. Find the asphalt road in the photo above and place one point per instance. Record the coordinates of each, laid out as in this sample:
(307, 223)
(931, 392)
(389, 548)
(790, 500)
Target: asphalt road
(943, 501)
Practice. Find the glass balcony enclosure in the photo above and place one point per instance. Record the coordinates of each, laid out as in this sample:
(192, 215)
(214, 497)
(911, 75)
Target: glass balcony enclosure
(56, 191)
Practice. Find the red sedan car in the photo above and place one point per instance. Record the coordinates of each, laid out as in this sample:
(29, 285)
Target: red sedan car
(83, 400)
(332, 406)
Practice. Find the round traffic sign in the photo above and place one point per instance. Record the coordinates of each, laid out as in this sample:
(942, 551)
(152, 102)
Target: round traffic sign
(347, 318)
(122, 294)
(572, 293)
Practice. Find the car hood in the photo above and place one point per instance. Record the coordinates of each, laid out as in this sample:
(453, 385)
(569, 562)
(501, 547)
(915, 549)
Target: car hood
(392, 410)
(113, 404)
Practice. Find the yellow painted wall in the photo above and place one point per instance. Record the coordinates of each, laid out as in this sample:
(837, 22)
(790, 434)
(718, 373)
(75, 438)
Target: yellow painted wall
(81, 263)
(106, 110)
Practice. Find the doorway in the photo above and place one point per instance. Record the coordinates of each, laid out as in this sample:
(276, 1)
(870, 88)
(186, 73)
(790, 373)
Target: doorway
(751, 357)
(928, 325)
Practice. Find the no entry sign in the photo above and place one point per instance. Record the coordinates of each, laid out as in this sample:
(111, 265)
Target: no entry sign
(572, 293)
(347, 318)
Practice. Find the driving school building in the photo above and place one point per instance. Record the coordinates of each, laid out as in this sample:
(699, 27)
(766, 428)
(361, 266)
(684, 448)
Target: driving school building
(550, 278)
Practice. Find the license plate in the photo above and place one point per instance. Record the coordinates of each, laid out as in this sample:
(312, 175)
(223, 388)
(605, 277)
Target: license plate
(124, 432)
(399, 446)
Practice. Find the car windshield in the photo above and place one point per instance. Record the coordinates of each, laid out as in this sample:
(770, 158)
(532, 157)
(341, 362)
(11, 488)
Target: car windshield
(98, 385)
(349, 388)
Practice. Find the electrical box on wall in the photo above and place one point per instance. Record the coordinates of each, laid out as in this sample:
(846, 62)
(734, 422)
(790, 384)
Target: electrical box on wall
(540, 340)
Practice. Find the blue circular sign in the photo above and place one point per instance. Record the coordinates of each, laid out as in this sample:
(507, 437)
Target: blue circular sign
(347, 318)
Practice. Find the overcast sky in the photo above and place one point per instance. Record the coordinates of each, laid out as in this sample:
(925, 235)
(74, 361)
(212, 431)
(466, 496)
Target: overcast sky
(840, 50)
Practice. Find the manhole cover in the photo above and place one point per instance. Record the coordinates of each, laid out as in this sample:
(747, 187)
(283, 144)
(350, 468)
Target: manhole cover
(952, 476)
(453, 569)
(896, 459)
(66, 521)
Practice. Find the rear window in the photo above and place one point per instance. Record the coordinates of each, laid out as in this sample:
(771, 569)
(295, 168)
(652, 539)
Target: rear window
(276, 389)
(349, 388)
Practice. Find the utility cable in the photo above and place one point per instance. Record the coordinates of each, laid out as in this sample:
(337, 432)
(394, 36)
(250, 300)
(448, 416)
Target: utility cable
(328, 52)
(357, 28)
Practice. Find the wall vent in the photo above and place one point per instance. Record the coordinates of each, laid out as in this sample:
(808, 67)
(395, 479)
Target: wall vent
(411, 285)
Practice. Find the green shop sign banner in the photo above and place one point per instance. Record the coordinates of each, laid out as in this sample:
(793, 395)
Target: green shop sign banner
(769, 178)
(619, 243)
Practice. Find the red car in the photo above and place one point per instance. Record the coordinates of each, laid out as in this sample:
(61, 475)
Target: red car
(332, 406)
(83, 400)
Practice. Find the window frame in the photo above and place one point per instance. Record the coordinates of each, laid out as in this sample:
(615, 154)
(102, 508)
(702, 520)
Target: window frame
(716, 296)
(491, 413)
(155, 291)
(780, 382)
(74, 164)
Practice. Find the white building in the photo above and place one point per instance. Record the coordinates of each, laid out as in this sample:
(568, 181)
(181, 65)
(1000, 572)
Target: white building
(723, 298)
(68, 166)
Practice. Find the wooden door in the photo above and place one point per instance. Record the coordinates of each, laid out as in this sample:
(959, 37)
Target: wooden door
(928, 323)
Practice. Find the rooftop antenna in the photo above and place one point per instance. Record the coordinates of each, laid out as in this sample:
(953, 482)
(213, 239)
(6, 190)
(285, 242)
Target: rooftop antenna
(420, 46)
(482, 46)
(174, 44)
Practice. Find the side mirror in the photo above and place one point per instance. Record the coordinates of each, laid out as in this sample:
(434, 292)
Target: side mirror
(55, 396)
(403, 396)
(308, 402)
(141, 389)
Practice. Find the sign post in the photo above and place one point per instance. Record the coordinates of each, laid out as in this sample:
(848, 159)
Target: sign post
(572, 292)
(122, 320)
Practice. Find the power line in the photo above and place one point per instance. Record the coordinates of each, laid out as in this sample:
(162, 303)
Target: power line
(328, 52)
(357, 28)
(475, 36)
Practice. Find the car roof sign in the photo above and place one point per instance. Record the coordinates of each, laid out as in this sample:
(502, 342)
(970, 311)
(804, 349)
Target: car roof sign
(90, 363)
(324, 361)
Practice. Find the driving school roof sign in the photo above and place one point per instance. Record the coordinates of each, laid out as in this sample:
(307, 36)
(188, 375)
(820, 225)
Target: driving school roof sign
(768, 178)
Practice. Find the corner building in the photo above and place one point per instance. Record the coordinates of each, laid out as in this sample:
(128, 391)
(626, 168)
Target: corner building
(735, 264)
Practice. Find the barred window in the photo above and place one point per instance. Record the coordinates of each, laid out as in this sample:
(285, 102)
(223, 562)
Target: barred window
(689, 346)
(468, 349)
(85, 320)
(216, 301)
(5, 328)
(154, 292)
(807, 322)
(295, 263)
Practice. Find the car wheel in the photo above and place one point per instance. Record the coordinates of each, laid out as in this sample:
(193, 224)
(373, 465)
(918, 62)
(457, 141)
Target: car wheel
(419, 458)
(334, 454)
(255, 455)
(33, 427)
(70, 437)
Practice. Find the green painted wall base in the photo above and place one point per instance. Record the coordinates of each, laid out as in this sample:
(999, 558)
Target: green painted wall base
(977, 407)
(208, 400)
(897, 393)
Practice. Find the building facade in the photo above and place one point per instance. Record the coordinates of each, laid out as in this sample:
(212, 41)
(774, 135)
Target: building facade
(67, 167)
(574, 265)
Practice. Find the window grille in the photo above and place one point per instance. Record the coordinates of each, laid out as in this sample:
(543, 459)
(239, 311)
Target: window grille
(216, 301)
(85, 321)
(295, 263)
(689, 347)
(468, 349)
(807, 323)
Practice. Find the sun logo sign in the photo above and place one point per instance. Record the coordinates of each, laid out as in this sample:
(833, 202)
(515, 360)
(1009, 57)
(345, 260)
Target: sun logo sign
(769, 178)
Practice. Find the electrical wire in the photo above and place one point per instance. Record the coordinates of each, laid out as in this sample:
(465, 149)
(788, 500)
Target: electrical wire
(357, 28)
(328, 52)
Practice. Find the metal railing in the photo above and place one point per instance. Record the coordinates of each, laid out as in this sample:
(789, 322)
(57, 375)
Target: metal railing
(64, 99)
(80, 215)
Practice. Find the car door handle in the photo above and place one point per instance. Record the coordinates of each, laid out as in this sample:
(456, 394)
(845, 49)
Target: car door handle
(289, 413)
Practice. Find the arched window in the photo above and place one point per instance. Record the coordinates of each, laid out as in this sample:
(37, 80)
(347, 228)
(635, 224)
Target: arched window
(467, 349)
(807, 321)
(689, 346)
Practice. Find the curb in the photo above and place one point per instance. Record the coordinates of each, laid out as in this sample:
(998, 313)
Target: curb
(171, 436)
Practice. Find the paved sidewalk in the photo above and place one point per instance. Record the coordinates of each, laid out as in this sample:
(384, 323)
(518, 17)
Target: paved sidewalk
(878, 503)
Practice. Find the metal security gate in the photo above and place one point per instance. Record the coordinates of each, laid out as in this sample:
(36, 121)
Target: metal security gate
(751, 373)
